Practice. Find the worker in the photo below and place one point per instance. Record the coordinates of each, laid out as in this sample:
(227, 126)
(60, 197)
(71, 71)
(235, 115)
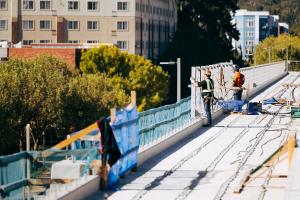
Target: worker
(207, 86)
(237, 83)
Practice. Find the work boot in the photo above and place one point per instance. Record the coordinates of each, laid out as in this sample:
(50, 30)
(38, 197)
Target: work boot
(207, 125)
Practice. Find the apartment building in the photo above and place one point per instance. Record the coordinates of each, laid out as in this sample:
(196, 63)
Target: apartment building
(254, 26)
(142, 27)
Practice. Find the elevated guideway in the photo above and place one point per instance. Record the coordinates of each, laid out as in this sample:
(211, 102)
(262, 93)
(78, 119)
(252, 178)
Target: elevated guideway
(213, 163)
(240, 157)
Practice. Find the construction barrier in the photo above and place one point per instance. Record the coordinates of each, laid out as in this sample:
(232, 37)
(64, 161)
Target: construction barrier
(13, 173)
(126, 132)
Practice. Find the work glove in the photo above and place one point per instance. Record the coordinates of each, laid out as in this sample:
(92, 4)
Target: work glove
(193, 81)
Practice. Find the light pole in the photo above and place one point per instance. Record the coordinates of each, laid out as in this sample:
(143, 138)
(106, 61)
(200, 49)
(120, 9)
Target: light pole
(28, 130)
(178, 63)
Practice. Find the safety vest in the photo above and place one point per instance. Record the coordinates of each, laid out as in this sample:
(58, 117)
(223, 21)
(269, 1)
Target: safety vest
(209, 87)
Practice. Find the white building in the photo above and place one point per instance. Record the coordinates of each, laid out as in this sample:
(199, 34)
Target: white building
(254, 26)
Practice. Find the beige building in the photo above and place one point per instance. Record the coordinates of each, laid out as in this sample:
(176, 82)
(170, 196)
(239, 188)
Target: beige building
(142, 27)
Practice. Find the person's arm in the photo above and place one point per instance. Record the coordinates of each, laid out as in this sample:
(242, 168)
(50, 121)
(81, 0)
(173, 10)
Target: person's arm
(233, 80)
(196, 83)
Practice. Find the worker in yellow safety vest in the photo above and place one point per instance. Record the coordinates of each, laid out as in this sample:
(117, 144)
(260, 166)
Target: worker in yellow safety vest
(207, 86)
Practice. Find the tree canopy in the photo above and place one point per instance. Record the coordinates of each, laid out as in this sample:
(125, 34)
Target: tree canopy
(131, 72)
(30, 92)
(204, 35)
(43, 93)
(278, 48)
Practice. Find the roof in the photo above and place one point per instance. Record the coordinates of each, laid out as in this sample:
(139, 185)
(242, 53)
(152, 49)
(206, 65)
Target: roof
(244, 12)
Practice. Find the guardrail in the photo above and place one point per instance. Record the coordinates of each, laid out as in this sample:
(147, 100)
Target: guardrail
(14, 180)
(161, 122)
(13, 173)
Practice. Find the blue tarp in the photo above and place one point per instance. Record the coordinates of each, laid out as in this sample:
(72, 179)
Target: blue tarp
(270, 101)
(126, 132)
(229, 106)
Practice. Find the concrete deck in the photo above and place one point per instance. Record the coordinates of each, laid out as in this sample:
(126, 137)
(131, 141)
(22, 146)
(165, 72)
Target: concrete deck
(212, 162)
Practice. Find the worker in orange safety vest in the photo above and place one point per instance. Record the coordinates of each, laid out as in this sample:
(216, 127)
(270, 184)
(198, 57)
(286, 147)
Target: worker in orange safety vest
(238, 82)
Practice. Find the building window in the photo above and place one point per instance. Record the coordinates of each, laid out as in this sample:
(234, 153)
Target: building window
(249, 33)
(92, 25)
(73, 25)
(28, 42)
(92, 5)
(123, 45)
(45, 24)
(28, 5)
(73, 41)
(249, 51)
(3, 24)
(122, 25)
(28, 25)
(73, 5)
(250, 23)
(45, 5)
(92, 41)
(3, 4)
(249, 42)
(122, 6)
(45, 41)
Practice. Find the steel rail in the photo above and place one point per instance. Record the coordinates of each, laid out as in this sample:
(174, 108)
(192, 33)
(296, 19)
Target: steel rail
(220, 194)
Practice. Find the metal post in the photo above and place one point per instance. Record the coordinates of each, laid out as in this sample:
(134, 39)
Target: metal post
(28, 149)
(43, 133)
(178, 79)
(178, 63)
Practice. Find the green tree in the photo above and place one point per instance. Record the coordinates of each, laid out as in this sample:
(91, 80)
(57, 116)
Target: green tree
(131, 72)
(204, 35)
(31, 92)
(44, 93)
(278, 48)
(90, 96)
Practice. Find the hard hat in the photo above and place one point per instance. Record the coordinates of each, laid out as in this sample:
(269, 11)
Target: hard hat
(207, 72)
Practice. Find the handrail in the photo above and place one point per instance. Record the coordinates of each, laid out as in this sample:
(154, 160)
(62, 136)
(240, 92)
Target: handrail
(154, 110)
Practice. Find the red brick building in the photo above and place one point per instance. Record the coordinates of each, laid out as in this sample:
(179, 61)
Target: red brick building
(70, 53)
